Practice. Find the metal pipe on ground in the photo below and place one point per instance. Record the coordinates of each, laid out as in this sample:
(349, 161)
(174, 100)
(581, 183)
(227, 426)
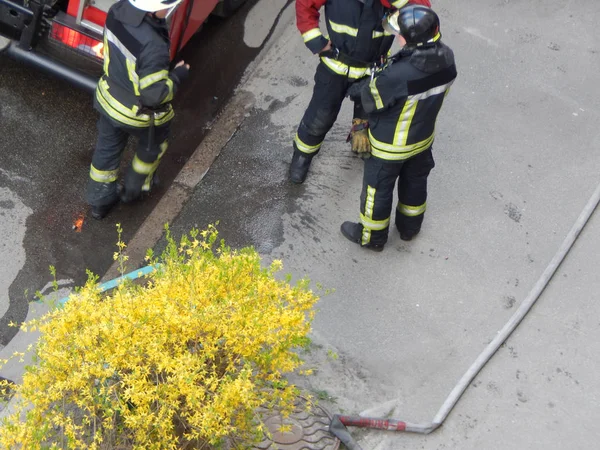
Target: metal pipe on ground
(339, 423)
(82, 81)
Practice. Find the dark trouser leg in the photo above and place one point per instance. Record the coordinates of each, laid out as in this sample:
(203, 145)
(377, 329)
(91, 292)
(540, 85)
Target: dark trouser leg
(328, 95)
(145, 162)
(412, 193)
(104, 172)
(376, 199)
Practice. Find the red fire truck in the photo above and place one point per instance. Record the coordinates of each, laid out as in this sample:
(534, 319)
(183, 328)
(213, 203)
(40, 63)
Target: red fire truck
(64, 37)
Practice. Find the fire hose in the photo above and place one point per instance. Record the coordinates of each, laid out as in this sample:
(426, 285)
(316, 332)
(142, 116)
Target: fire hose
(339, 423)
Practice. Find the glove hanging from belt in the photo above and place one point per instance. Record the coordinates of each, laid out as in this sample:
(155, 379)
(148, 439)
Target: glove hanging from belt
(359, 135)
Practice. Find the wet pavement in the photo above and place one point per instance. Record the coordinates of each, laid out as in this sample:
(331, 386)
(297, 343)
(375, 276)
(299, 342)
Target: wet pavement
(515, 165)
(47, 136)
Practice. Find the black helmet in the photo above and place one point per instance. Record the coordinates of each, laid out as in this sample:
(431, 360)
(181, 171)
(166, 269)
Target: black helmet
(418, 25)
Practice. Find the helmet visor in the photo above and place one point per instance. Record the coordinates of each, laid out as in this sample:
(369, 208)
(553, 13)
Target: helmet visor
(390, 23)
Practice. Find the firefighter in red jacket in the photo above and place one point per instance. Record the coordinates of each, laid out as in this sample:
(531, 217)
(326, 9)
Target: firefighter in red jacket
(357, 42)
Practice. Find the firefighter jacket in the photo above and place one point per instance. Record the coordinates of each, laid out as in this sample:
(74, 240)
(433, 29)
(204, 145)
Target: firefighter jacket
(136, 68)
(354, 28)
(404, 99)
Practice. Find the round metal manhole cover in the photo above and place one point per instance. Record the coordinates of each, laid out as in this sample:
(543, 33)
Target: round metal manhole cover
(307, 428)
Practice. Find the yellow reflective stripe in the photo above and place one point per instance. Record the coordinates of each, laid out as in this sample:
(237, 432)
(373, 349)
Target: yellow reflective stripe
(133, 76)
(103, 176)
(148, 182)
(113, 112)
(311, 34)
(374, 225)
(169, 97)
(106, 55)
(149, 80)
(399, 3)
(144, 168)
(411, 211)
(368, 214)
(378, 34)
(141, 167)
(305, 148)
(125, 115)
(404, 121)
(342, 69)
(397, 152)
(163, 118)
(343, 29)
(375, 93)
(437, 37)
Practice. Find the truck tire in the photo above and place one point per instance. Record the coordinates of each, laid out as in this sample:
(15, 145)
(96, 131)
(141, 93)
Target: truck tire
(227, 7)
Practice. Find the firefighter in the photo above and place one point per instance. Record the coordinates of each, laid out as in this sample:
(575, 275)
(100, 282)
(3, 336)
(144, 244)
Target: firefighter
(134, 99)
(403, 102)
(356, 42)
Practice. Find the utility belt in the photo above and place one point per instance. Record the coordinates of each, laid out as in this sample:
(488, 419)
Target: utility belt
(152, 113)
(335, 53)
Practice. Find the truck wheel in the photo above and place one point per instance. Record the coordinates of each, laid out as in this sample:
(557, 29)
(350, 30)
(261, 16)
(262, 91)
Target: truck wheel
(227, 7)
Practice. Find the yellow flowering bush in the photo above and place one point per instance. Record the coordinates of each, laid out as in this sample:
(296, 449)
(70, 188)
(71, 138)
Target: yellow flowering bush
(180, 361)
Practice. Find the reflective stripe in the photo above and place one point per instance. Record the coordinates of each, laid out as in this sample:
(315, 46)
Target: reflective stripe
(431, 92)
(375, 94)
(379, 34)
(374, 225)
(106, 55)
(399, 3)
(368, 214)
(149, 80)
(408, 112)
(148, 181)
(343, 29)
(411, 211)
(112, 111)
(127, 116)
(103, 176)
(133, 77)
(342, 69)
(311, 34)
(404, 121)
(397, 152)
(117, 43)
(141, 167)
(305, 148)
(169, 97)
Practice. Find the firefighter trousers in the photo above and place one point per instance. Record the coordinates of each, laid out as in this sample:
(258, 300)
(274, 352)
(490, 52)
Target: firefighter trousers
(323, 109)
(104, 171)
(377, 196)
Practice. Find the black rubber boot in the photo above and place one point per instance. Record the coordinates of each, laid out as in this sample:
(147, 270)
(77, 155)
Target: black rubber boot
(100, 212)
(407, 235)
(299, 166)
(353, 232)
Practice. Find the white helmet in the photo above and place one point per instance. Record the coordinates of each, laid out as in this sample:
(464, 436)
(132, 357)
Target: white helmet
(155, 5)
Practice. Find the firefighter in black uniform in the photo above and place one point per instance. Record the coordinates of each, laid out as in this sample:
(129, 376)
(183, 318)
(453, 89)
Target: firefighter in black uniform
(403, 102)
(356, 42)
(134, 99)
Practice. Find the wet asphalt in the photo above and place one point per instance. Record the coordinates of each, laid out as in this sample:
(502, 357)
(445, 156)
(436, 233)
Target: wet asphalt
(47, 137)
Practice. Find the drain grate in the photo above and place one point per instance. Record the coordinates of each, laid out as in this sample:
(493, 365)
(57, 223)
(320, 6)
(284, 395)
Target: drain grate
(307, 429)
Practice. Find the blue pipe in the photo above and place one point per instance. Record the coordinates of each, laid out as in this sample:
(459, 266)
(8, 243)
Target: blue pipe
(115, 282)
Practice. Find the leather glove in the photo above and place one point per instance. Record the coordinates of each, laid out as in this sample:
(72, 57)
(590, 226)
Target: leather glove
(359, 135)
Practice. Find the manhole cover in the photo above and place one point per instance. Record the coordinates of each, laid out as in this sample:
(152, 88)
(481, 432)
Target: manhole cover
(307, 429)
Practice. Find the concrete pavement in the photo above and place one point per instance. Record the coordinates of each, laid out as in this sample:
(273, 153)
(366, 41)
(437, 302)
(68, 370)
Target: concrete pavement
(515, 165)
